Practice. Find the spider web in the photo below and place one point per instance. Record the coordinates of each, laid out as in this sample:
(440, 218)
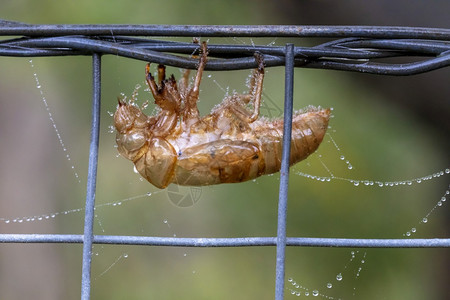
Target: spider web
(135, 208)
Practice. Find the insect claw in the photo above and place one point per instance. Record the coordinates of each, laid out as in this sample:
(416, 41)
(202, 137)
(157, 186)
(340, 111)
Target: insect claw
(121, 102)
(161, 73)
(259, 58)
(147, 70)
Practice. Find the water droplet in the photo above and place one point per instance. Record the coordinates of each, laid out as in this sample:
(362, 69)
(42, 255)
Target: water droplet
(7, 221)
(339, 277)
(408, 233)
(329, 285)
(184, 254)
(439, 203)
(342, 157)
(165, 221)
(290, 279)
(350, 166)
(125, 255)
(149, 194)
(413, 230)
(315, 293)
(443, 199)
(306, 293)
(447, 171)
(424, 220)
(355, 183)
(292, 292)
(297, 294)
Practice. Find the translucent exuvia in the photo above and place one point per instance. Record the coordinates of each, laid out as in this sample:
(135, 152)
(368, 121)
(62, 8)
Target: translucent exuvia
(231, 144)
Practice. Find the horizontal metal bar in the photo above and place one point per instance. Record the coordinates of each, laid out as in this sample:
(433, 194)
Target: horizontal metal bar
(14, 28)
(226, 242)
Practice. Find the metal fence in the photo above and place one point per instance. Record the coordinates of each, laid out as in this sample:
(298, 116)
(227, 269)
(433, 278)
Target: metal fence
(350, 48)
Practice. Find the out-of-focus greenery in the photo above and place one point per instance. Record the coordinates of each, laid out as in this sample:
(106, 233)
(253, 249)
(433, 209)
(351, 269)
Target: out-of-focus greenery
(381, 142)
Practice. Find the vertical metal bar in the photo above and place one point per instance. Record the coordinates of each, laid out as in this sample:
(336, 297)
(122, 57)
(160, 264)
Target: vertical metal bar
(92, 179)
(284, 173)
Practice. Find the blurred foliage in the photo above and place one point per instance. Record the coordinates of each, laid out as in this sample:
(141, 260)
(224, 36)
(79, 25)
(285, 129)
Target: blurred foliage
(381, 142)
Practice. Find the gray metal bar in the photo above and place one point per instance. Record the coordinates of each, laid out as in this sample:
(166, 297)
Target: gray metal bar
(223, 30)
(91, 180)
(225, 242)
(284, 172)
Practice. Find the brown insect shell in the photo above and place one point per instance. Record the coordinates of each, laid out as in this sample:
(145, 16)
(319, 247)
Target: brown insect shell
(157, 164)
(153, 156)
(131, 135)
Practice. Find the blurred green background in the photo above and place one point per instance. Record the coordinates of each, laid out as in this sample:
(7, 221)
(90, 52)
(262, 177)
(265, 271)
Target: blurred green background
(389, 128)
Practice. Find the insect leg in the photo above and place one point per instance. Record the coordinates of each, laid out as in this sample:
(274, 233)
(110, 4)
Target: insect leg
(161, 73)
(183, 83)
(190, 109)
(151, 82)
(256, 85)
(255, 91)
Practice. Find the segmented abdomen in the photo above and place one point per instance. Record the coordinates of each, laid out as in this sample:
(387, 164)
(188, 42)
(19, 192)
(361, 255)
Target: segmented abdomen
(252, 153)
(308, 130)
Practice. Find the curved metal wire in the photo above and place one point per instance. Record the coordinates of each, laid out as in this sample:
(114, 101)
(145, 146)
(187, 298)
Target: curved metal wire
(361, 54)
